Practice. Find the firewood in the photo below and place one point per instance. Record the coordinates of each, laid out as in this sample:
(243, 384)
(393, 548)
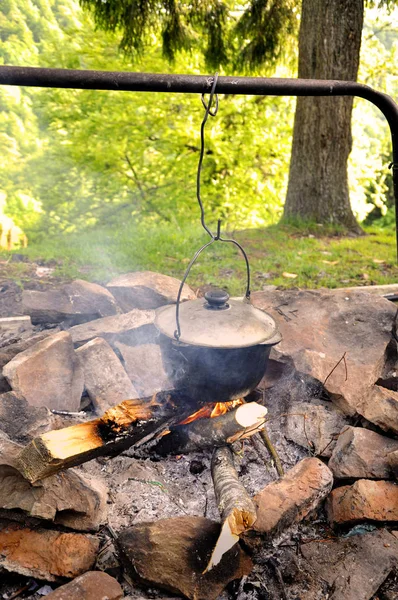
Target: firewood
(118, 428)
(272, 451)
(237, 509)
(235, 425)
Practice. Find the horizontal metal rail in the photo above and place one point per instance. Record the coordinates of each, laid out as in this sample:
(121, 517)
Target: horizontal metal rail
(198, 84)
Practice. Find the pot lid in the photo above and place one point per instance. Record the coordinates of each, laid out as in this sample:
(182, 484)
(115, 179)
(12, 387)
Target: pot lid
(216, 321)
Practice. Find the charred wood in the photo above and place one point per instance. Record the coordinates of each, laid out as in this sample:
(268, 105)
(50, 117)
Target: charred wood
(235, 425)
(119, 428)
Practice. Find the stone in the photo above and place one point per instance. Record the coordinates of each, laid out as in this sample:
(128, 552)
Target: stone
(9, 450)
(144, 366)
(321, 327)
(134, 327)
(386, 289)
(13, 329)
(32, 421)
(380, 406)
(25, 341)
(289, 390)
(44, 553)
(273, 375)
(362, 454)
(74, 302)
(48, 373)
(146, 289)
(3, 435)
(70, 498)
(8, 352)
(4, 385)
(354, 567)
(290, 499)
(93, 585)
(15, 324)
(105, 379)
(314, 426)
(172, 554)
(364, 500)
(393, 462)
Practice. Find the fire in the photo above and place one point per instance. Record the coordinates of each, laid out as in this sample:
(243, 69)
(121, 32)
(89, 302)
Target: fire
(212, 410)
(220, 408)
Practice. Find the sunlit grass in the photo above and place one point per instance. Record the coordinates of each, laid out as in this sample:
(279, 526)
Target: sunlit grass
(318, 257)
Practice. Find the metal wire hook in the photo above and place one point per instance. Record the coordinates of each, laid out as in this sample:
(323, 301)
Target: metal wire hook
(217, 236)
(202, 150)
(207, 107)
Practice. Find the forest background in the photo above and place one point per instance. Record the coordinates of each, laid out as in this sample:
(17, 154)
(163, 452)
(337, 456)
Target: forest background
(104, 182)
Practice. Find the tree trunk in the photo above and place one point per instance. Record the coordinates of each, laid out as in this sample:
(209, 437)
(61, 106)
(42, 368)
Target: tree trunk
(329, 47)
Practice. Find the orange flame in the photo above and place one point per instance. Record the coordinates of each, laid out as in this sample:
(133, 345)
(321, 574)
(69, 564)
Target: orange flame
(212, 410)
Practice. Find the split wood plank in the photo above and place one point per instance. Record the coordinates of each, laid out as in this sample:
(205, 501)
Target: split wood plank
(119, 428)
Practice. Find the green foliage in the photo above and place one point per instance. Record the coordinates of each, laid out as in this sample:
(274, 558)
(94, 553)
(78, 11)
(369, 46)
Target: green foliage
(249, 35)
(370, 178)
(264, 27)
(388, 4)
(137, 156)
(104, 157)
(28, 30)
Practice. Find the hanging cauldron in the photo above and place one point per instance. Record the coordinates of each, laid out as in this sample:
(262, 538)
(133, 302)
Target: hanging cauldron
(222, 350)
(215, 349)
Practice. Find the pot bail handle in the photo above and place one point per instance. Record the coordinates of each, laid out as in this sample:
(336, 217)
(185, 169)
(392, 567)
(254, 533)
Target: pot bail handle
(217, 238)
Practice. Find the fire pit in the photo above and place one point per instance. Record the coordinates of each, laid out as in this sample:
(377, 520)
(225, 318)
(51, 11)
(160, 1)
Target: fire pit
(172, 465)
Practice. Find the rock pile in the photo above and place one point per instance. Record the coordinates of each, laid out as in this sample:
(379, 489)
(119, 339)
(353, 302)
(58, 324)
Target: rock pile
(346, 341)
(119, 525)
(100, 349)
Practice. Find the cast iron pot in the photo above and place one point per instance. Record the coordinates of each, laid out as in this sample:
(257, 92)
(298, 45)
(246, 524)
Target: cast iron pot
(223, 346)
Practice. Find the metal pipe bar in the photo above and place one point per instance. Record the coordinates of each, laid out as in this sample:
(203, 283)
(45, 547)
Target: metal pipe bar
(199, 84)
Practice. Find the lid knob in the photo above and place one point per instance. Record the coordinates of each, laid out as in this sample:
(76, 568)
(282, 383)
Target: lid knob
(217, 299)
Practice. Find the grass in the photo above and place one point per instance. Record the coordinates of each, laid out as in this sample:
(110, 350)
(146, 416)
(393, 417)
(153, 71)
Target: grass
(313, 256)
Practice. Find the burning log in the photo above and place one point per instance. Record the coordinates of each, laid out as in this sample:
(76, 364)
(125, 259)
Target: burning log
(200, 434)
(119, 428)
(237, 509)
